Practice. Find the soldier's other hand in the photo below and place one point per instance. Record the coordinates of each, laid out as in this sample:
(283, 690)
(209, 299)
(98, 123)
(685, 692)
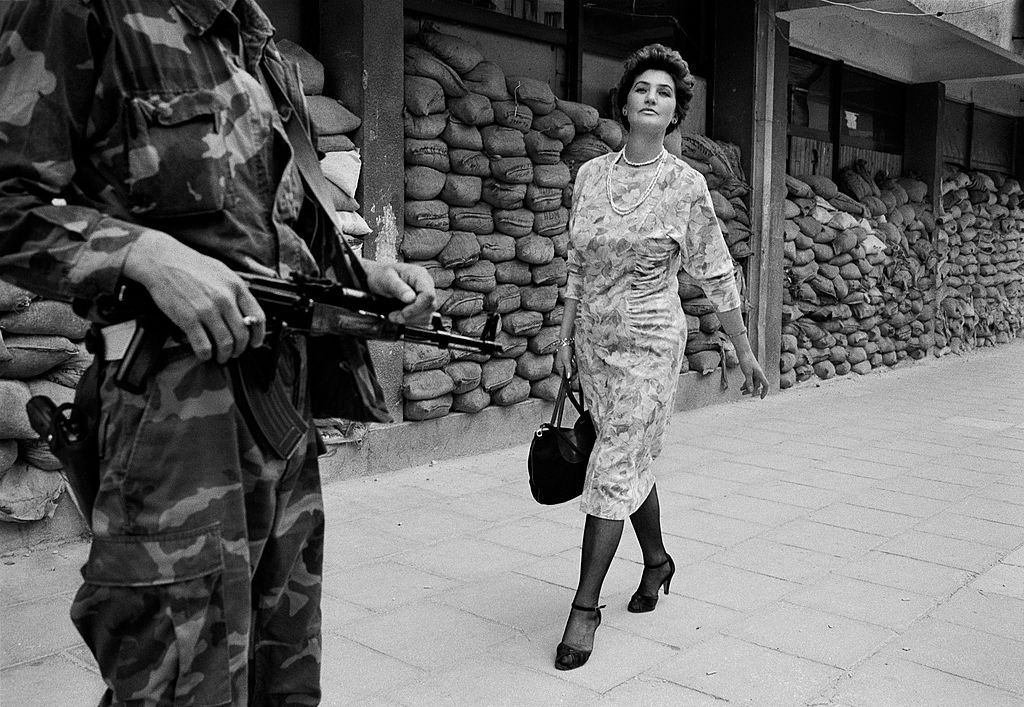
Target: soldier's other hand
(410, 284)
(202, 296)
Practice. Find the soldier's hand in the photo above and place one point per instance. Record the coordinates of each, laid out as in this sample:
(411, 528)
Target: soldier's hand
(410, 284)
(202, 296)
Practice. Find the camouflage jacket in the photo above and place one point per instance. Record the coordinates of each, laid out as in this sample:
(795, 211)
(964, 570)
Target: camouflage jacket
(118, 116)
(141, 114)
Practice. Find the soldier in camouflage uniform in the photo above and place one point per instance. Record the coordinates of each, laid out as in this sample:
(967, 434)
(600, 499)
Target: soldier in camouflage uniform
(150, 124)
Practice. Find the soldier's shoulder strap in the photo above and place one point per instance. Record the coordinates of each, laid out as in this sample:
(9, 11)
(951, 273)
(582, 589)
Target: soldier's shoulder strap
(313, 178)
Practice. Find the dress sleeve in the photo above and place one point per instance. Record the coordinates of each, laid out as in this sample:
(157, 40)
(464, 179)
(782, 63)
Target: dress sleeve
(49, 57)
(705, 256)
(574, 285)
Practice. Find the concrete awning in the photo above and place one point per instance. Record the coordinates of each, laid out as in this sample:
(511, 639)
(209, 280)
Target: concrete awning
(917, 47)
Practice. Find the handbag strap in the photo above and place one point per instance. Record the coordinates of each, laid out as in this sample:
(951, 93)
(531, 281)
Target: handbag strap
(556, 411)
(565, 392)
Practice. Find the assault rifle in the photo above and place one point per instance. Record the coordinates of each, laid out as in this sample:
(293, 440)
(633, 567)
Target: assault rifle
(316, 307)
(312, 306)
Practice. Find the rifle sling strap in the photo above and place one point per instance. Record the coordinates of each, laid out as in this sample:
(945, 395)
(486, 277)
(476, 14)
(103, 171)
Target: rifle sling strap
(313, 180)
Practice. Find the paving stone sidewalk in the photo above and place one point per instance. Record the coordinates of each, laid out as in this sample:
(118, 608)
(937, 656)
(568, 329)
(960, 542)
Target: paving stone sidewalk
(857, 543)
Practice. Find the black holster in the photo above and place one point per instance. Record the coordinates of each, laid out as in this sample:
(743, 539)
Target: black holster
(82, 462)
(71, 432)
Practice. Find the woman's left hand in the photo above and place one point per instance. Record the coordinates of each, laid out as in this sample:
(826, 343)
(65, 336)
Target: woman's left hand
(754, 380)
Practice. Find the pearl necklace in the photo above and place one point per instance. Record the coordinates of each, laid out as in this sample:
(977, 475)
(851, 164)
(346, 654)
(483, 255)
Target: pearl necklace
(624, 210)
(641, 164)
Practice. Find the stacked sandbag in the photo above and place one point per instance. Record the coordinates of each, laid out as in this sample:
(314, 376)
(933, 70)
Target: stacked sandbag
(835, 321)
(334, 125)
(979, 278)
(835, 253)
(41, 353)
(489, 163)
(719, 162)
(910, 278)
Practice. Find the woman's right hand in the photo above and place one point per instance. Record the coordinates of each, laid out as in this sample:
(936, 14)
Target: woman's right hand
(563, 361)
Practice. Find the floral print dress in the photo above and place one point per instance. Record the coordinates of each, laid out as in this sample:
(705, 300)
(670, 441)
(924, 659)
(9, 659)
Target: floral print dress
(630, 328)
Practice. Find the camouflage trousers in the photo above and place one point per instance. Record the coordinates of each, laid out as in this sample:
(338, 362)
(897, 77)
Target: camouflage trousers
(202, 585)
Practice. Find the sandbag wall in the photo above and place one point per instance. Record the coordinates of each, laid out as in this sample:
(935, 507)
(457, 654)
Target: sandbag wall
(490, 162)
(706, 345)
(873, 276)
(980, 266)
(41, 353)
(333, 123)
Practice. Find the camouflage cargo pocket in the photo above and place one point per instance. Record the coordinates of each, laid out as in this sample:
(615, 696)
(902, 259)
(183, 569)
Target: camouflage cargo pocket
(152, 611)
(177, 155)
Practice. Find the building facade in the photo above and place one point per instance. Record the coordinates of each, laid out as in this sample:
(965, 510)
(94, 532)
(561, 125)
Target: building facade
(923, 100)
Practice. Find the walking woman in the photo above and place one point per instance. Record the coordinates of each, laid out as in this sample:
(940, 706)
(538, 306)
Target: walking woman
(638, 216)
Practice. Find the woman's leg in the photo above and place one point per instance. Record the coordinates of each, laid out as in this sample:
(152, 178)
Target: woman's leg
(646, 522)
(600, 541)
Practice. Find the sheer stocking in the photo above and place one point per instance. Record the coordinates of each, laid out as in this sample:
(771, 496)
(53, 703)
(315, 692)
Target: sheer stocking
(600, 541)
(646, 522)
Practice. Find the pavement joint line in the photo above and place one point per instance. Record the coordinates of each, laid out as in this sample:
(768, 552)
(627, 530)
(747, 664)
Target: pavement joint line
(705, 600)
(776, 649)
(843, 527)
(64, 651)
(712, 695)
(977, 542)
(1001, 636)
(848, 675)
(992, 520)
(1002, 500)
(939, 599)
(740, 492)
(910, 659)
(941, 564)
(758, 572)
(88, 665)
(824, 552)
(846, 455)
(889, 510)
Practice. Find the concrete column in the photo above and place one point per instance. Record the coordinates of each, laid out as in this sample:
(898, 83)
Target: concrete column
(361, 47)
(749, 109)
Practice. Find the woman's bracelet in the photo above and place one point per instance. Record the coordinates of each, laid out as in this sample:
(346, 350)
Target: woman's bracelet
(741, 332)
(565, 342)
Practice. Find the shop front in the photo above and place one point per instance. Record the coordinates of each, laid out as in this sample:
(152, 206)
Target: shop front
(903, 220)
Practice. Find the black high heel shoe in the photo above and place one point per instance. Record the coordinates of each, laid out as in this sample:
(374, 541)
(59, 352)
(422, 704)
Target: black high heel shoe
(569, 657)
(642, 603)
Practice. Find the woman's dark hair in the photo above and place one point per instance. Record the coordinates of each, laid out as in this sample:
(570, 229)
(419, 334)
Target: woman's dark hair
(659, 58)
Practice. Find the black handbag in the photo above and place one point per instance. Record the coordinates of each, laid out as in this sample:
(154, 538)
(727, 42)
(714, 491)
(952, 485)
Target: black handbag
(559, 455)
